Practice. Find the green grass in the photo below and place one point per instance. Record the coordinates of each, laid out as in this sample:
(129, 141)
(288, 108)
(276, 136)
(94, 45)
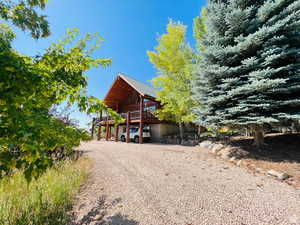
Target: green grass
(45, 201)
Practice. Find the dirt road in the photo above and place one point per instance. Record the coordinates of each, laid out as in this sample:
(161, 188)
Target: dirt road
(152, 184)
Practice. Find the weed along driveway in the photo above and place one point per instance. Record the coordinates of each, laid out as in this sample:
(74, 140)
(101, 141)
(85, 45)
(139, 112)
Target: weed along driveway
(153, 184)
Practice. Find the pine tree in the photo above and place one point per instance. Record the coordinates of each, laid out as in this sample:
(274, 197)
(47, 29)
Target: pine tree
(248, 75)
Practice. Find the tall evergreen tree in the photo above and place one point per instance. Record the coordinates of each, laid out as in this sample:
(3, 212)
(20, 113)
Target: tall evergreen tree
(248, 75)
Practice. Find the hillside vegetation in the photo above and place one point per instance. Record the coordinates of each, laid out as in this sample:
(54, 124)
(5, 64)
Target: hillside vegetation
(44, 201)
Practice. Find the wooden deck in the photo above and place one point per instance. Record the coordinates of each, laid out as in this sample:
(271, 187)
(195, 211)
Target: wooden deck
(135, 117)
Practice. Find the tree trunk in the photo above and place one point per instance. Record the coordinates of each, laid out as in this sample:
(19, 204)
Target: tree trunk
(181, 131)
(201, 129)
(258, 136)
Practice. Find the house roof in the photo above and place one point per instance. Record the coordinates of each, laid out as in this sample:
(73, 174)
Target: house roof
(123, 87)
(139, 86)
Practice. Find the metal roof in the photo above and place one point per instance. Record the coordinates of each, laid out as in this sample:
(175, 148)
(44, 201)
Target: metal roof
(140, 87)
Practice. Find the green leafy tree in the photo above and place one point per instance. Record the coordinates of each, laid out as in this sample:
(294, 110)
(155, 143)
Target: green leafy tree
(24, 14)
(200, 28)
(31, 86)
(248, 75)
(174, 59)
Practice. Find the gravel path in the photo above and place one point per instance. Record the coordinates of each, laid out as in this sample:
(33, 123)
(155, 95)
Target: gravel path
(153, 184)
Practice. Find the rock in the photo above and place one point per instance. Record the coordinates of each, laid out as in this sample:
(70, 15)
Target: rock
(259, 170)
(205, 144)
(294, 219)
(239, 163)
(226, 153)
(279, 175)
(98, 217)
(216, 148)
(232, 159)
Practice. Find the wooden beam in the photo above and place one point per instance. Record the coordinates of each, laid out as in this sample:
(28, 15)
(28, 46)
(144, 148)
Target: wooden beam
(99, 127)
(141, 119)
(109, 133)
(107, 130)
(93, 127)
(99, 132)
(117, 133)
(128, 127)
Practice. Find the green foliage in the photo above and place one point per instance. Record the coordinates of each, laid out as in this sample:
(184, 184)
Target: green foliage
(24, 14)
(173, 58)
(31, 86)
(200, 28)
(248, 75)
(45, 201)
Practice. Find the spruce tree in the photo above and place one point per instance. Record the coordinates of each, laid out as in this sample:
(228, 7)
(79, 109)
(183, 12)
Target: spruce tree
(248, 75)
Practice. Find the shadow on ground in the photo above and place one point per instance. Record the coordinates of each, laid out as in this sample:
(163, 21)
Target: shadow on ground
(118, 219)
(279, 148)
(98, 215)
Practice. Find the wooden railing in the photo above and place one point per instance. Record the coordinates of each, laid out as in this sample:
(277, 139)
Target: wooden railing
(134, 115)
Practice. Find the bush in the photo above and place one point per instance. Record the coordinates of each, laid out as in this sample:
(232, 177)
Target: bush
(44, 201)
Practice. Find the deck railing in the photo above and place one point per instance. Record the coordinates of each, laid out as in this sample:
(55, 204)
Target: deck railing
(134, 115)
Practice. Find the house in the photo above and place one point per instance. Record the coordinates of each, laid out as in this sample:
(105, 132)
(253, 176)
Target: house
(136, 103)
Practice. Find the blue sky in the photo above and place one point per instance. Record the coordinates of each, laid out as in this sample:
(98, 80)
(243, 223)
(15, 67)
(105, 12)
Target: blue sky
(129, 27)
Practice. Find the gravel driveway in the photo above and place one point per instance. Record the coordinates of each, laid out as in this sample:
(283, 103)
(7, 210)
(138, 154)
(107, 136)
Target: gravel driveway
(153, 184)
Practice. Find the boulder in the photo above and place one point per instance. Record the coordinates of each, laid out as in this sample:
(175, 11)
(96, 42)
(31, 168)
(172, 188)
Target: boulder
(258, 170)
(99, 217)
(279, 175)
(216, 148)
(232, 159)
(226, 153)
(205, 144)
(239, 163)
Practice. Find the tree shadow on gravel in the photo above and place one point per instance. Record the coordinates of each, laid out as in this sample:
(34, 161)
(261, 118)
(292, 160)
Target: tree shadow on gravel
(279, 148)
(118, 219)
(98, 214)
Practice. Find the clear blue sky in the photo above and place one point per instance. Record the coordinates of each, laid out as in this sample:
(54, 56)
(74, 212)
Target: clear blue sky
(129, 27)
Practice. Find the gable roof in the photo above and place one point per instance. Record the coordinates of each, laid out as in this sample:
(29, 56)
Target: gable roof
(121, 89)
(139, 86)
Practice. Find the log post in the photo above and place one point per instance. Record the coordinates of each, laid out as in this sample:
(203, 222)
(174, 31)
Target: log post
(99, 132)
(109, 132)
(99, 128)
(141, 119)
(107, 129)
(117, 133)
(93, 128)
(128, 127)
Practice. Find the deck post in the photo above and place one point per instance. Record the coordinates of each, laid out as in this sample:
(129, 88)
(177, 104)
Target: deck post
(128, 127)
(109, 132)
(99, 132)
(107, 129)
(99, 127)
(93, 127)
(117, 133)
(141, 119)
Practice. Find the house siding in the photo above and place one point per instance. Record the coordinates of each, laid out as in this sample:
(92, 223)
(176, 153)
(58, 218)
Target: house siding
(160, 130)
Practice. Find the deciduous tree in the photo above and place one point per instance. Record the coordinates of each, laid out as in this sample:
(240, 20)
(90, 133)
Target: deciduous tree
(31, 86)
(174, 59)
